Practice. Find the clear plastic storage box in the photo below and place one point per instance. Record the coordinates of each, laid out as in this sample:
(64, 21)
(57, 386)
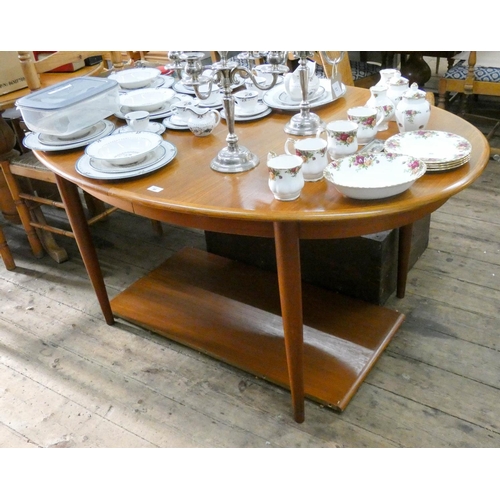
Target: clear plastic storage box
(68, 107)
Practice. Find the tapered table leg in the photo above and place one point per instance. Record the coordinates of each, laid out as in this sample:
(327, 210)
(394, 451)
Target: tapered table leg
(78, 221)
(286, 236)
(405, 234)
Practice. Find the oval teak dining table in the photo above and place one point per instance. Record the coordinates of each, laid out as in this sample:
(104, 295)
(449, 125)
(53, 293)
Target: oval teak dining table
(317, 343)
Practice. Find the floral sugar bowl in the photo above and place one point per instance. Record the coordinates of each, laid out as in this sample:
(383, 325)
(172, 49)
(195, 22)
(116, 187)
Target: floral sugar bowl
(398, 85)
(413, 111)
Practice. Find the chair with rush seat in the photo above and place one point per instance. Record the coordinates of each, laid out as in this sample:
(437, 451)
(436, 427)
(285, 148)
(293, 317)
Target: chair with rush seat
(31, 184)
(476, 74)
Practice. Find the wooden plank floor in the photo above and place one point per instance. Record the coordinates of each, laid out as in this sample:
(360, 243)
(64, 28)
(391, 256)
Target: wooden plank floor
(69, 380)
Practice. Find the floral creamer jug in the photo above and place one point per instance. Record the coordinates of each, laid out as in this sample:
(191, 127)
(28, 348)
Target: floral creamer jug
(380, 101)
(292, 82)
(386, 74)
(413, 111)
(200, 121)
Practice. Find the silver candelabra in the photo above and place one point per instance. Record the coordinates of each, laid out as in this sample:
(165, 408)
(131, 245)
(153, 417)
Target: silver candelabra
(175, 63)
(226, 74)
(304, 122)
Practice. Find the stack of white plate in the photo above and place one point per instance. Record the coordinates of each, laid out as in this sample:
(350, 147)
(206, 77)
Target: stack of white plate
(242, 115)
(44, 142)
(125, 155)
(278, 98)
(157, 102)
(141, 78)
(439, 150)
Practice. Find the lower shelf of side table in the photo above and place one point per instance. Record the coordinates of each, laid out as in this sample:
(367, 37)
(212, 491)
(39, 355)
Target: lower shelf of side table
(231, 311)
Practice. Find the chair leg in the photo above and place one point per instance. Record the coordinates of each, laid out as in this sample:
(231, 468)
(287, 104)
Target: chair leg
(7, 257)
(464, 98)
(58, 253)
(157, 227)
(442, 94)
(23, 212)
(94, 206)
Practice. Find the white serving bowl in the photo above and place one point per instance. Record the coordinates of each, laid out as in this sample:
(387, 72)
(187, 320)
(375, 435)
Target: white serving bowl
(374, 176)
(147, 99)
(124, 149)
(135, 78)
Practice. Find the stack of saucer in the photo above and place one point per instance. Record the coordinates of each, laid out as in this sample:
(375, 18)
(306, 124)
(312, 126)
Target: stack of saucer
(157, 102)
(155, 127)
(242, 115)
(125, 155)
(175, 122)
(439, 150)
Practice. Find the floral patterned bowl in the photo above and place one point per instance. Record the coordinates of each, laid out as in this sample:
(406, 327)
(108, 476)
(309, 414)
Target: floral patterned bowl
(374, 176)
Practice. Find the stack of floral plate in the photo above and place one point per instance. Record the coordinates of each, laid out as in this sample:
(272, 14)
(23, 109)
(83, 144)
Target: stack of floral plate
(439, 150)
(125, 155)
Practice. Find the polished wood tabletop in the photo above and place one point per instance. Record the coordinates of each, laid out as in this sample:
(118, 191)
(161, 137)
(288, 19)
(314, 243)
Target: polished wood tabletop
(325, 344)
(191, 188)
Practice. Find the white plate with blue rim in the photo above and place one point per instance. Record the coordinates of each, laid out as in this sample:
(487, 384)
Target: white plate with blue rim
(32, 140)
(150, 164)
(163, 112)
(155, 127)
(172, 125)
(271, 97)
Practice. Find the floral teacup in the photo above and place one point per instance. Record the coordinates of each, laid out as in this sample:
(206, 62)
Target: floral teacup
(313, 153)
(341, 137)
(368, 120)
(285, 176)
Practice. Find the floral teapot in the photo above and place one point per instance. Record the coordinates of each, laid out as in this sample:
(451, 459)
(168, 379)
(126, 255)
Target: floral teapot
(413, 111)
(201, 121)
(292, 82)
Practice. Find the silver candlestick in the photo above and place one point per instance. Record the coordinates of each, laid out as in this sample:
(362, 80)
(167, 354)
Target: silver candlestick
(175, 64)
(226, 74)
(305, 122)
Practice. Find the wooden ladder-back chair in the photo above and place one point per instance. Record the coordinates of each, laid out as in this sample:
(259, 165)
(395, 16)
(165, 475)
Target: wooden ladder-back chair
(31, 184)
(474, 77)
(35, 71)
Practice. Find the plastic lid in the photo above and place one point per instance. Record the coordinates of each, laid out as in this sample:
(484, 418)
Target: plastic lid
(64, 94)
